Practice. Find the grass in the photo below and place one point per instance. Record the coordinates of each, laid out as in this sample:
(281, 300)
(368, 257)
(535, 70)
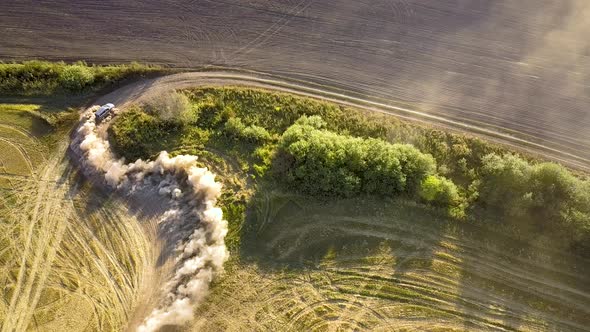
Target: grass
(374, 264)
(29, 134)
(71, 259)
(136, 134)
(457, 156)
(24, 116)
(245, 126)
(22, 129)
(298, 263)
(17, 163)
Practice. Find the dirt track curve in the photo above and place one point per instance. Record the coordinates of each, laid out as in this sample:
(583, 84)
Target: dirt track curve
(146, 88)
(522, 67)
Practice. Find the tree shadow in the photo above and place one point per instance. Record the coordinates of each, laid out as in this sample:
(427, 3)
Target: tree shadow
(471, 275)
(530, 282)
(395, 237)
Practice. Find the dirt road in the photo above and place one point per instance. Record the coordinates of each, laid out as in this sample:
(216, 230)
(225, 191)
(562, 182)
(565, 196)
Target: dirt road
(146, 88)
(517, 66)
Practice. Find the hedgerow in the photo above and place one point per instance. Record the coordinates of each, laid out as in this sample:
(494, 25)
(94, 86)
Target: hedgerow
(45, 78)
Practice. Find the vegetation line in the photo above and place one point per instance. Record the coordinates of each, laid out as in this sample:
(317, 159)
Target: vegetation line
(322, 149)
(34, 78)
(347, 216)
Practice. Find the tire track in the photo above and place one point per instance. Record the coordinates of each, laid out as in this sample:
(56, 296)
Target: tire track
(418, 279)
(26, 277)
(271, 31)
(23, 153)
(97, 260)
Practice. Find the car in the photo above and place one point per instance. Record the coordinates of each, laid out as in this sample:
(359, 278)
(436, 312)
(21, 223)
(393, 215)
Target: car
(103, 111)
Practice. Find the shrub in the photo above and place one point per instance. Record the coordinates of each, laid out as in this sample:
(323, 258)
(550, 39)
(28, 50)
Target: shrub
(325, 163)
(75, 78)
(439, 190)
(212, 115)
(170, 106)
(263, 159)
(442, 192)
(253, 134)
(137, 134)
(314, 121)
(545, 194)
(44, 78)
(505, 184)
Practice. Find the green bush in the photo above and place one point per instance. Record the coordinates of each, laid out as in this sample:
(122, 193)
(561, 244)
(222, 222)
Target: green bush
(75, 78)
(263, 159)
(212, 115)
(235, 129)
(313, 121)
(438, 190)
(325, 163)
(442, 192)
(545, 194)
(505, 184)
(44, 78)
(137, 134)
(172, 106)
(458, 155)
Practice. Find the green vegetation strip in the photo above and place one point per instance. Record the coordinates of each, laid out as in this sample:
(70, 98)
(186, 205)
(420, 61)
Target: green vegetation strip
(47, 78)
(325, 150)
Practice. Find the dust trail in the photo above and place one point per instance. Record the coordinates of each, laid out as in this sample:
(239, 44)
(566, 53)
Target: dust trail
(191, 221)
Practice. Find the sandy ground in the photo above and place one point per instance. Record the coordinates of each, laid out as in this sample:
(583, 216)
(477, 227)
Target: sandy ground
(519, 66)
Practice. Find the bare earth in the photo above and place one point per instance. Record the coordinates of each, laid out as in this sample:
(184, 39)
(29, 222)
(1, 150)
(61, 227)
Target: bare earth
(521, 67)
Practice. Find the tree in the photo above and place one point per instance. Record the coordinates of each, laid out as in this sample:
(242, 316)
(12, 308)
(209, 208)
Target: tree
(553, 190)
(76, 77)
(325, 163)
(505, 184)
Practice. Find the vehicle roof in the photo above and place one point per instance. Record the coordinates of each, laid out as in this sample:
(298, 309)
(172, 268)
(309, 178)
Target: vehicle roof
(104, 109)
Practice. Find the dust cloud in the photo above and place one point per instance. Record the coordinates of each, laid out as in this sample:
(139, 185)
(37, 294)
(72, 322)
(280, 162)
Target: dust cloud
(192, 193)
(527, 72)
